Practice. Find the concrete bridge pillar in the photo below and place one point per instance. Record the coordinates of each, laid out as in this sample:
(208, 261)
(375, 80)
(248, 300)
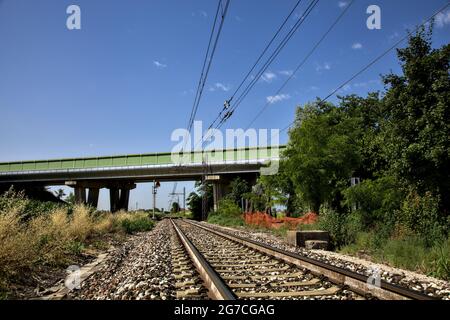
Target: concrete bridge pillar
(218, 193)
(220, 185)
(119, 196)
(124, 199)
(114, 199)
(80, 195)
(119, 192)
(93, 197)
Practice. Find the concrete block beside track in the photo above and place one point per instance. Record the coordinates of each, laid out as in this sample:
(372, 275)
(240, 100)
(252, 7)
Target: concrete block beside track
(299, 238)
(316, 244)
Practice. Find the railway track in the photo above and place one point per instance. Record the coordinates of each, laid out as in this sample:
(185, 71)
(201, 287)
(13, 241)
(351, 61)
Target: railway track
(232, 267)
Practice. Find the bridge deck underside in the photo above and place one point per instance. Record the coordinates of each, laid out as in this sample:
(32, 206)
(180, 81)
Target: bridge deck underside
(136, 173)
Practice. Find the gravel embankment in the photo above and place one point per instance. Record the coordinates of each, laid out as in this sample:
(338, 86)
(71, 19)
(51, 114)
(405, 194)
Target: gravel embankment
(140, 269)
(431, 286)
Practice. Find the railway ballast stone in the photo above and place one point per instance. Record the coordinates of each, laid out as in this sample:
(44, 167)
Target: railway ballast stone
(299, 238)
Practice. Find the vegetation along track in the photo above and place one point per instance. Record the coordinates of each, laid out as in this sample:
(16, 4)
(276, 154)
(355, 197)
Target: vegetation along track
(236, 268)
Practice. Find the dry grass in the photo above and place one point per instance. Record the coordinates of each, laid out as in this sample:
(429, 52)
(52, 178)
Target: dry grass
(53, 238)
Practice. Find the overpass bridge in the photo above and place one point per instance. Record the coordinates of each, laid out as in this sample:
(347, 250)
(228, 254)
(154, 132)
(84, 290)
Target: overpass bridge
(121, 173)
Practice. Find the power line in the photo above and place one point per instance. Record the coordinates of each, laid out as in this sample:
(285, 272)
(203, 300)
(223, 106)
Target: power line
(270, 59)
(207, 61)
(371, 63)
(256, 63)
(266, 48)
(204, 63)
(364, 68)
(303, 61)
(283, 43)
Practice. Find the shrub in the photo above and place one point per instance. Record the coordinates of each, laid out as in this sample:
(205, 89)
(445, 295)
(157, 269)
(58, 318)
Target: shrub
(81, 223)
(409, 252)
(49, 236)
(440, 260)
(16, 250)
(137, 224)
(421, 214)
(104, 223)
(343, 227)
(75, 247)
(53, 237)
(376, 201)
(228, 214)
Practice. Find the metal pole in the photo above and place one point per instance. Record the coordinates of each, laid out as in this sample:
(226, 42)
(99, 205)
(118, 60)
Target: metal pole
(154, 198)
(184, 200)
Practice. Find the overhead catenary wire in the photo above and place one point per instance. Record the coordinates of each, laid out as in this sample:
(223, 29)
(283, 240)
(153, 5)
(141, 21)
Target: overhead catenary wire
(265, 49)
(374, 61)
(211, 49)
(271, 58)
(280, 28)
(263, 69)
(204, 63)
(301, 64)
(371, 63)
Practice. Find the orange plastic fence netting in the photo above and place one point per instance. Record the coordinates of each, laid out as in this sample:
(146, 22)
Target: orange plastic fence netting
(265, 220)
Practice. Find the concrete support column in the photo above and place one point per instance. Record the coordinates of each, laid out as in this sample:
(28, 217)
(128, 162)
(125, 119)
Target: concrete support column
(93, 197)
(218, 193)
(80, 195)
(114, 199)
(124, 199)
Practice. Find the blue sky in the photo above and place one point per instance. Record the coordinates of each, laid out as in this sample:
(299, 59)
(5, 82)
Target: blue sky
(126, 80)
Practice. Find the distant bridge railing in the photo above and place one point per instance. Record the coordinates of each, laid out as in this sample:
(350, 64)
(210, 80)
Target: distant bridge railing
(240, 155)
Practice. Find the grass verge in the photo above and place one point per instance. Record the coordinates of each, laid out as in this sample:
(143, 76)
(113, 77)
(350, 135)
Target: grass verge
(409, 253)
(56, 238)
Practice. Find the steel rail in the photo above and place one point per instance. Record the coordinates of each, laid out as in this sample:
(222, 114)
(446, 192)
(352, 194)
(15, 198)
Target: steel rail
(355, 281)
(218, 290)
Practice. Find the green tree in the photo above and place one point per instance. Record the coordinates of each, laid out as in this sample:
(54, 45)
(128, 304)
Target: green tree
(175, 207)
(238, 188)
(194, 203)
(60, 193)
(70, 198)
(322, 154)
(279, 189)
(195, 199)
(417, 111)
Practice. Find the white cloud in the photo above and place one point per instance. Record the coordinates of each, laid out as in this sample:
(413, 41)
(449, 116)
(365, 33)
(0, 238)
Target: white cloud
(359, 85)
(268, 76)
(342, 4)
(185, 92)
(365, 84)
(394, 35)
(159, 64)
(277, 98)
(442, 19)
(357, 46)
(201, 13)
(222, 86)
(345, 88)
(325, 66)
(286, 72)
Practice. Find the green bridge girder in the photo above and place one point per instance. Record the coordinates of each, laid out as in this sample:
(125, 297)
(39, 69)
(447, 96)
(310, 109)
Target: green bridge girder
(148, 159)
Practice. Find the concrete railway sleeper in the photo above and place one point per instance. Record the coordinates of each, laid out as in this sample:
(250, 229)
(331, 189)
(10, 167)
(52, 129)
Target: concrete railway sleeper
(253, 270)
(249, 274)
